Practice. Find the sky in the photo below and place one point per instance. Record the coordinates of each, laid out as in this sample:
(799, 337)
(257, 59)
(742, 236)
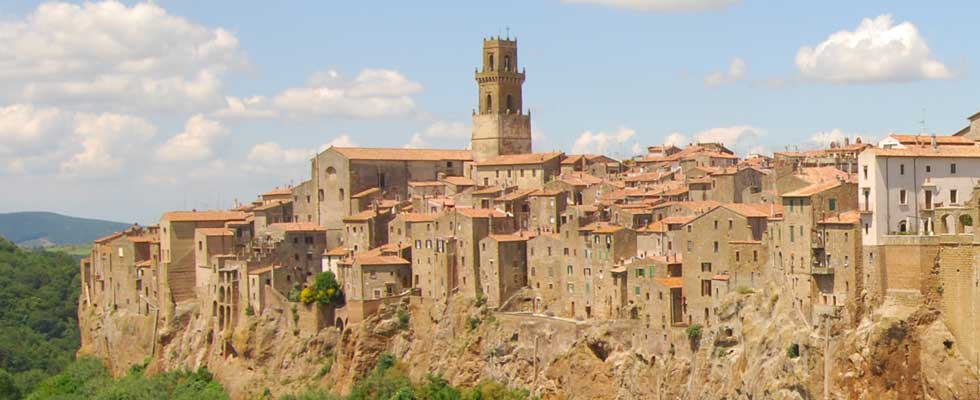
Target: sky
(125, 110)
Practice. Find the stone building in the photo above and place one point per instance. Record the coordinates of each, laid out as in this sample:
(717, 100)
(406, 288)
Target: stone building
(527, 171)
(500, 126)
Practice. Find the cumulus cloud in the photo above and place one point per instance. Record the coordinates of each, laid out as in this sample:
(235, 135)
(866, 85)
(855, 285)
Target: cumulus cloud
(735, 73)
(734, 137)
(271, 153)
(195, 142)
(107, 141)
(43, 140)
(440, 134)
(661, 5)
(598, 143)
(246, 108)
(876, 51)
(676, 139)
(344, 140)
(374, 93)
(110, 54)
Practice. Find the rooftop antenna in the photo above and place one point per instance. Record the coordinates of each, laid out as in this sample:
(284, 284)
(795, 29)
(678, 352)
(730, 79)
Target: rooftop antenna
(922, 122)
(508, 33)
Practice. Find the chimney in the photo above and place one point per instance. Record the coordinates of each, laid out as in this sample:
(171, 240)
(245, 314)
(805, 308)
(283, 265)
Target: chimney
(847, 141)
(934, 145)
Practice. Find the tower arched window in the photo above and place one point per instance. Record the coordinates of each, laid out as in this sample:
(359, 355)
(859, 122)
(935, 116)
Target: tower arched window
(506, 63)
(490, 63)
(489, 103)
(510, 103)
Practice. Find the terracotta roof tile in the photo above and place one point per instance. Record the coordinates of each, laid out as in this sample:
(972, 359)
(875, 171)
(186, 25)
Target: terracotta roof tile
(363, 153)
(813, 189)
(365, 193)
(417, 217)
(520, 159)
(459, 181)
(201, 216)
(517, 237)
(480, 212)
(847, 217)
(214, 231)
(673, 283)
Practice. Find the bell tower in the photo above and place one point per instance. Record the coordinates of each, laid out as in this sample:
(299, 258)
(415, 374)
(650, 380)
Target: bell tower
(500, 126)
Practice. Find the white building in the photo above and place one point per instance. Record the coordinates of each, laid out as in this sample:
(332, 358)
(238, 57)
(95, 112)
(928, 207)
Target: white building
(905, 178)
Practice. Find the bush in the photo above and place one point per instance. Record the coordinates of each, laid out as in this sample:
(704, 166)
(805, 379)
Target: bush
(88, 378)
(473, 323)
(745, 290)
(294, 294)
(325, 290)
(249, 311)
(403, 318)
(793, 351)
(693, 332)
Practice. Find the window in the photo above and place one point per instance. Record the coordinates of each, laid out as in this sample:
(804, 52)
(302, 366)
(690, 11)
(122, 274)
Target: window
(952, 195)
(952, 168)
(705, 267)
(636, 290)
(716, 224)
(706, 287)
(865, 169)
(901, 169)
(418, 244)
(928, 168)
(832, 204)
(640, 272)
(903, 197)
(689, 229)
(688, 245)
(737, 256)
(569, 270)
(755, 255)
(792, 236)
(730, 224)
(716, 247)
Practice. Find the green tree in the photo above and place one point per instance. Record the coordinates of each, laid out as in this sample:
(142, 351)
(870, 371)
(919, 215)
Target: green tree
(325, 290)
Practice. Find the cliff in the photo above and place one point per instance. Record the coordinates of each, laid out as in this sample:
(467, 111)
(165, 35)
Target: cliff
(759, 349)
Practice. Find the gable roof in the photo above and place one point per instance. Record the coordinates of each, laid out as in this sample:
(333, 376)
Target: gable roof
(366, 153)
(201, 216)
(520, 159)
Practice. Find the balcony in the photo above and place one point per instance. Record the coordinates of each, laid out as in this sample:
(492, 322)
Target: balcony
(821, 270)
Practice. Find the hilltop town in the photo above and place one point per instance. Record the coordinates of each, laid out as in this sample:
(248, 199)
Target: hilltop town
(539, 268)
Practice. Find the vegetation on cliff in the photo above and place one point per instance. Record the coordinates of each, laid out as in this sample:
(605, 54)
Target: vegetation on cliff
(38, 322)
(389, 380)
(87, 378)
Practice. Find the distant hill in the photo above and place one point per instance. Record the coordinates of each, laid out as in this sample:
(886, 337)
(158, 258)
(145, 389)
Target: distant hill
(42, 229)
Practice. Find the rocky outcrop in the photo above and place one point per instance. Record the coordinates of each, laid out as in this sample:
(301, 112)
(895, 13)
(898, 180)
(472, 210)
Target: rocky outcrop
(759, 349)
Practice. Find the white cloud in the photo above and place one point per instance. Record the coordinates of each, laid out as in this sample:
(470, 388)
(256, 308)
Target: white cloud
(374, 93)
(444, 134)
(676, 139)
(598, 143)
(107, 141)
(195, 142)
(109, 54)
(46, 140)
(246, 108)
(661, 5)
(637, 149)
(344, 140)
(876, 51)
(730, 136)
(735, 73)
(271, 153)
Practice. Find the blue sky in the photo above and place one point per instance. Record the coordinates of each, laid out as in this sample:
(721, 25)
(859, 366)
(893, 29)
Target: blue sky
(121, 111)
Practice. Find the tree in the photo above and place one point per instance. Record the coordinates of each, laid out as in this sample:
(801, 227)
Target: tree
(325, 290)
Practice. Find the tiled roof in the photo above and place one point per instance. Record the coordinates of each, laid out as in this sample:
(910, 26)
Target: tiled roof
(200, 216)
(813, 189)
(365, 193)
(418, 217)
(361, 216)
(654, 227)
(338, 251)
(214, 231)
(272, 205)
(847, 217)
(279, 192)
(108, 237)
(927, 139)
(480, 212)
(720, 277)
(364, 153)
(580, 179)
(458, 181)
(380, 260)
(928, 151)
(297, 227)
(545, 192)
(143, 239)
(598, 227)
(520, 159)
(516, 194)
(490, 190)
(262, 270)
(821, 174)
(751, 210)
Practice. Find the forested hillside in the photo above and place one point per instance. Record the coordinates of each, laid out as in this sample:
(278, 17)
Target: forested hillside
(44, 228)
(38, 321)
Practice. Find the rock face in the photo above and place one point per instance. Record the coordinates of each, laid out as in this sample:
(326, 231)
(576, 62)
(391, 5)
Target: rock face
(893, 353)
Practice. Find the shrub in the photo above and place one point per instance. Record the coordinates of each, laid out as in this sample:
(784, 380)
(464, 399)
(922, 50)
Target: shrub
(325, 290)
(693, 332)
(403, 319)
(249, 310)
(793, 351)
(745, 290)
(294, 294)
(473, 323)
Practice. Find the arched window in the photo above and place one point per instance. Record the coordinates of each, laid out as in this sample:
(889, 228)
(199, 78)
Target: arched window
(489, 103)
(331, 174)
(903, 226)
(490, 62)
(506, 63)
(510, 103)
